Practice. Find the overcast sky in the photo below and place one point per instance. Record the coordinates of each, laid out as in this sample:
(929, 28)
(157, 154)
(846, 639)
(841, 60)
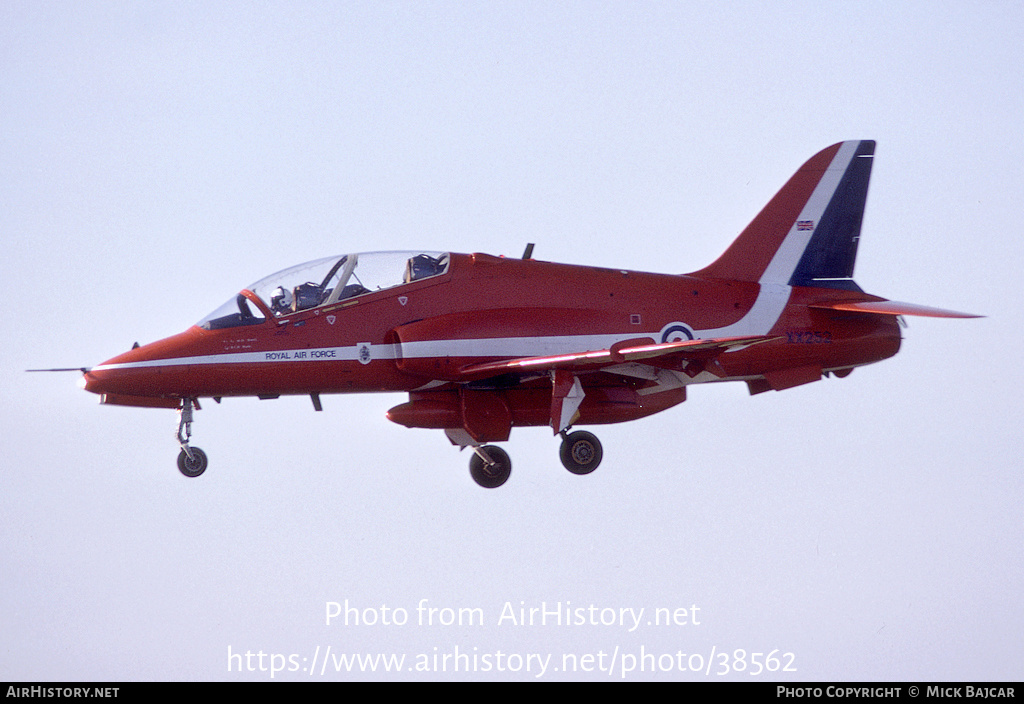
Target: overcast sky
(157, 157)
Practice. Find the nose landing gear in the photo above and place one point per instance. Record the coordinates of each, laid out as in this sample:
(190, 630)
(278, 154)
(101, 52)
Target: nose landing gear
(194, 465)
(191, 460)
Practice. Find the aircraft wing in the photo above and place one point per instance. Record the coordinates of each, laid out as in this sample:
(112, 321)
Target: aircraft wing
(636, 350)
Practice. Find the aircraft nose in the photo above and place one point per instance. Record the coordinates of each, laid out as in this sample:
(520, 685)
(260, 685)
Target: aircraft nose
(122, 382)
(108, 377)
(147, 375)
(93, 382)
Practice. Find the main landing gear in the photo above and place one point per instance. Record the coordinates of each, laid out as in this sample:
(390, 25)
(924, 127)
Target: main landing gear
(490, 466)
(580, 453)
(191, 460)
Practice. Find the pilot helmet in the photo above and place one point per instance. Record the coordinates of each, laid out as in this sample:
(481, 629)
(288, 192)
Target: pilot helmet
(281, 300)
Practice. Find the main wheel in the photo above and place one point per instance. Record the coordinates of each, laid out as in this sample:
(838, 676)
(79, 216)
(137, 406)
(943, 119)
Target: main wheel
(490, 476)
(194, 466)
(581, 452)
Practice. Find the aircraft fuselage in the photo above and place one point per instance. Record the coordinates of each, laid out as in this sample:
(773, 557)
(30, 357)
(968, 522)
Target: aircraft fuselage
(482, 308)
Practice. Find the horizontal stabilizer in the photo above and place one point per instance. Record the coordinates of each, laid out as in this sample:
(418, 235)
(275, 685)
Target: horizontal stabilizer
(893, 308)
(629, 351)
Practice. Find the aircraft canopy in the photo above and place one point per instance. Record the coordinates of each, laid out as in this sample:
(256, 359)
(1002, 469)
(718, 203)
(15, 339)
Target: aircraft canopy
(324, 282)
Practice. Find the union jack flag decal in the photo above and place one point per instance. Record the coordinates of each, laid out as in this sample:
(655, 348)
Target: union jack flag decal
(802, 225)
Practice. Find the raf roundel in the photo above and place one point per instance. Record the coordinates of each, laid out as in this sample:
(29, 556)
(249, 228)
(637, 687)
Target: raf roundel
(676, 332)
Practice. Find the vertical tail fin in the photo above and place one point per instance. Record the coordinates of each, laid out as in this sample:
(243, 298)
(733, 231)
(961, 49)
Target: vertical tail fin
(807, 235)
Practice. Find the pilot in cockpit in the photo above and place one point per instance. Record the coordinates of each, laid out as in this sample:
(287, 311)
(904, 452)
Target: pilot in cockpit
(423, 266)
(281, 301)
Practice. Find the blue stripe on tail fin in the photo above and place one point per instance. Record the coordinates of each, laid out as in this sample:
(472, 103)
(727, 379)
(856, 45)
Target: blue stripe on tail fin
(830, 254)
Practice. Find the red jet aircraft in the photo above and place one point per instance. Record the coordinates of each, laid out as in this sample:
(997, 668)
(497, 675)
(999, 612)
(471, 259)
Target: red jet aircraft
(483, 344)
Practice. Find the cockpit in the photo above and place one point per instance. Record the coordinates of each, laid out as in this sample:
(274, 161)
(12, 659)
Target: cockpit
(325, 282)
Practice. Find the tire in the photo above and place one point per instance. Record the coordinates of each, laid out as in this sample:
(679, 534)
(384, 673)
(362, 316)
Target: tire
(195, 466)
(493, 476)
(581, 452)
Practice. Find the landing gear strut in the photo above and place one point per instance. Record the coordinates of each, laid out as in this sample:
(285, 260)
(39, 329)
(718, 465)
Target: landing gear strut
(580, 452)
(191, 460)
(490, 466)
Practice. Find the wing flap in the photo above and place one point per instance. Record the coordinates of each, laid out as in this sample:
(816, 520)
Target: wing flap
(644, 349)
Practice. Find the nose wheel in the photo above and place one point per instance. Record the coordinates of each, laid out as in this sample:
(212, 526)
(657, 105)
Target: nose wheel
(191, 460)
(192, 466)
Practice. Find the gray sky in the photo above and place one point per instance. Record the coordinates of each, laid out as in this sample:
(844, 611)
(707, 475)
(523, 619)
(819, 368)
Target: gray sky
(157, 157)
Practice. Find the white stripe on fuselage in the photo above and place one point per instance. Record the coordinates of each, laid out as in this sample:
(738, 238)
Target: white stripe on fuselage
(349, 353)
(767, 308)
